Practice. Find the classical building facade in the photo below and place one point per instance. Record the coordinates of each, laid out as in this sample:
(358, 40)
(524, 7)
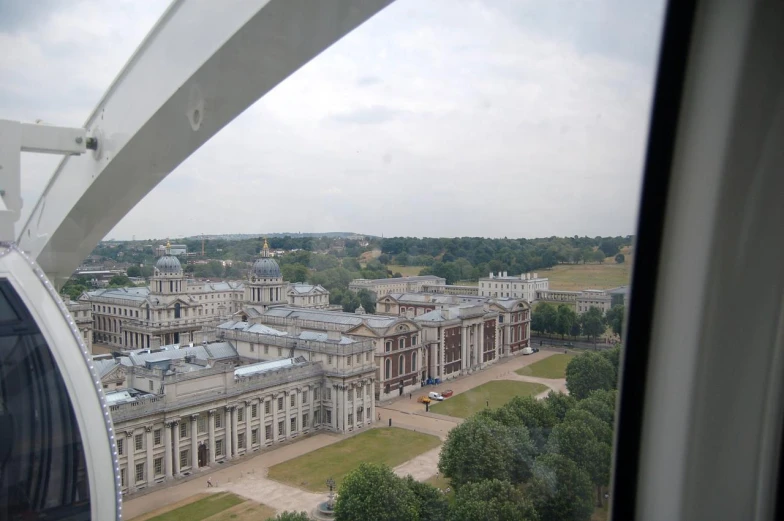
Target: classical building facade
(173, 308)
(179, 410)
(83, 316)
(381, 287)
(523, 286)
(450, 289)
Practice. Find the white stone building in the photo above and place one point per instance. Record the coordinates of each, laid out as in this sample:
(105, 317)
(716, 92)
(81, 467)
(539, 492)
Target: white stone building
(381, 287)
(177, 411)
(523, 286)
(82, 315)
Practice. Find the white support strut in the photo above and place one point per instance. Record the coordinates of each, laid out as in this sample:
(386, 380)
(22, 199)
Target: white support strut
(201, 66)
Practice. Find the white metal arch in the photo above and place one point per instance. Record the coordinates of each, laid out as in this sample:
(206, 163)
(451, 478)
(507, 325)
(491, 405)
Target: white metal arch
(202, 65)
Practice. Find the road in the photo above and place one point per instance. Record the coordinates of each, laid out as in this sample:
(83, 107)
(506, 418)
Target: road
(556, 342)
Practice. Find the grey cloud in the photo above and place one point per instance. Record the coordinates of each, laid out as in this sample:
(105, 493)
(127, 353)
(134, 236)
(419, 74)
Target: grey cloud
(16, 15)
(367, 116)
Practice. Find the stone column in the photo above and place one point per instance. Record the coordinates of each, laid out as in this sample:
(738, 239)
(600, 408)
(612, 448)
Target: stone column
(287, 408)
(464, 342)
(176, 465)
(211, 429)
(130, 446)
(481, 344)
(150, 467)
(335, 409)
(194, 442)
(248, 426)
(274, 407)
(227, 439)
(167, 442)
(234, 446)
(344, 399)
(372, 402)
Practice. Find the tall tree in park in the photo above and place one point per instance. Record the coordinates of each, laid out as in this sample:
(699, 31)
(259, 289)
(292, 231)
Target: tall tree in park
(589, 372)
(491, 500)
(367, 300)
(482, 448)
(601, 404)
(575, 440)
(565, 320)
(432, 504)
(620, 258)
(614, 357)
(560, 490)
(375, 492)
(559, 404)
(120, 281)
(614, 318)
(593, 323)
(543, 318)
(537, 418)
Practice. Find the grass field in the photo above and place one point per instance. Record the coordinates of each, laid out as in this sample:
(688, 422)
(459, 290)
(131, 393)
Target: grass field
(551, 367)
(391, 446)
(406, 271)
(213, 507)
(574, 277)
(496, 393)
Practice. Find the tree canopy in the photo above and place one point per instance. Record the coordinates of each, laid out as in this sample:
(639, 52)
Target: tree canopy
(290, 516)
(588, 372)
(375, 492)
(560, 489)
(491, 500)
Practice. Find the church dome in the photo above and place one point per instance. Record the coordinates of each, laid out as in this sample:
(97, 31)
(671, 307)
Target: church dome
(168, 264)
(266, 268)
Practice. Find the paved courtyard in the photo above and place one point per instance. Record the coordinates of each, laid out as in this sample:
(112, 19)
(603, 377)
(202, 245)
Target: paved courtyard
(248, 478)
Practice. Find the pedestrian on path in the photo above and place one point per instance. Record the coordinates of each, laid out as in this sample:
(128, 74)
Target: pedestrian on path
(379, 416)
(209, 483)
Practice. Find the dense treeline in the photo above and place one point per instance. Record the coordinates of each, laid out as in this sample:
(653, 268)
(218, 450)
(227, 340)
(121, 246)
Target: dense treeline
(468, 258)
(545, 460)
(562, 320)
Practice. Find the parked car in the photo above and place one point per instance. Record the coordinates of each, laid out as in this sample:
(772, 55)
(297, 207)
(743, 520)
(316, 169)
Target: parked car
(568, 344)
(447, 393)
(435, 396)
(528, 351)
(536, 349)
(424, 399)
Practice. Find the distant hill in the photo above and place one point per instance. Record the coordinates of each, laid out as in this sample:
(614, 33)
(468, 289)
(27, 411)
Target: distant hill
(244, 236)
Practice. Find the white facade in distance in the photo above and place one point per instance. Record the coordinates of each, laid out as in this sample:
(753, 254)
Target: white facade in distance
(380, 287)
(523, 286)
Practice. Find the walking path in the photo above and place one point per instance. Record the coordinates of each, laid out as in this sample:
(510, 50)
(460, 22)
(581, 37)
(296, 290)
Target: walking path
(248, 478)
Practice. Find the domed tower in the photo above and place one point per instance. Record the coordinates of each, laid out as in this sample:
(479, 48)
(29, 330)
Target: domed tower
(167, 276)
(265, 285)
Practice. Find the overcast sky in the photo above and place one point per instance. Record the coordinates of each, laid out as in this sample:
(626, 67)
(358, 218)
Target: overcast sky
(491, 118)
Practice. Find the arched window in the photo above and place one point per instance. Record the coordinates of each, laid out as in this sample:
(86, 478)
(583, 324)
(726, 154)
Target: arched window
(413, 362)
(401, 343)
(388, 369)
(177, 309)
(401, 365)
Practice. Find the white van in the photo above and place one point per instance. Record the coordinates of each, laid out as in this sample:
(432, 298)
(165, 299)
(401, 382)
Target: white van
(528, 351)
(435, 396)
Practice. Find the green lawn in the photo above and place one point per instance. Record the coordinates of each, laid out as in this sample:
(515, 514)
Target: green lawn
(406, 271)
(497, 393)
(574, 277)
(551, 367)
(389, 445)
(201, 509)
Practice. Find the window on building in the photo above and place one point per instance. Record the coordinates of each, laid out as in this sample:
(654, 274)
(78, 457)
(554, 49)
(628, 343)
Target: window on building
(414, 340)
(329, 417)
(315, 394)
(351, 418)
(350, 394)
(348, 359)
(120, 444)
(413, 362)
(241, 440)
(122, 477)
(304, 397)
(183, 429)
(268, 432)
(280, 403)
(267, 406)
(139, 472)
(219, 447)
(329, 393)
(329, 359)
(266, 350)
(400, 365)
(254, 436)
(367, 391)
(158, 466)
(387, 369)
(252, 348)
(240, 413)
(280, 352)
(185, 460)
(367, 356)
(218, 419)
(388, 346)
(254, 410)
(281, 426)
(294, 399)
(293, 425)
(359, 415)
(305, 421)
(401, 344)
(139, 441)
(156, 436)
